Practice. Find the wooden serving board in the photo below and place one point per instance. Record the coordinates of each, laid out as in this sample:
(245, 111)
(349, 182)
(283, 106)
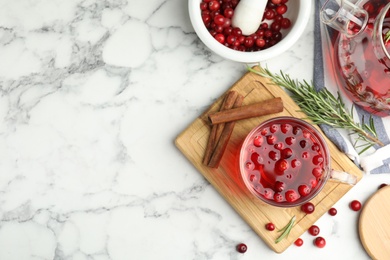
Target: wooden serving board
(374, 225)
(227, 179)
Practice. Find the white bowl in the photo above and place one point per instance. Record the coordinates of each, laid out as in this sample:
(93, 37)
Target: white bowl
(298, 12)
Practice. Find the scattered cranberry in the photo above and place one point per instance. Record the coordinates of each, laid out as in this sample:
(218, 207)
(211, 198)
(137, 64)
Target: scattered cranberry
(241, 248)
(314, 230)
(217, 15)
(319, 242)
(355, 205)
(332, 211)
(298, 242)
(308, 207)
(270, 226)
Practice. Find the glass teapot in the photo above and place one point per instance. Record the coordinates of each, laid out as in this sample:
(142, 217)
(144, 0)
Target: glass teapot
(362, 50)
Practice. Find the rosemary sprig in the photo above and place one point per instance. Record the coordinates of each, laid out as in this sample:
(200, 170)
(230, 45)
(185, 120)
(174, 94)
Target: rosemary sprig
(286, 230)
(387, 36)
(321, 107)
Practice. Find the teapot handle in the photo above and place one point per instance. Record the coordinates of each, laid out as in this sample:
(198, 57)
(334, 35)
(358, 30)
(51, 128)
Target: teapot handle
(343, 177)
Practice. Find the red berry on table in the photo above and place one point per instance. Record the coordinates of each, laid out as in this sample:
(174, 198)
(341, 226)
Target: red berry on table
(355, 205)
(241, 248)
(332, 211)
(270, 226)
(314, 230)
(298, 242)
(320, 242)
(308, 207)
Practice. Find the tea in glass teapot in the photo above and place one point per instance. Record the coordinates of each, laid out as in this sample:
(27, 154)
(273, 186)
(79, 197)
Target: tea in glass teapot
(362, 50)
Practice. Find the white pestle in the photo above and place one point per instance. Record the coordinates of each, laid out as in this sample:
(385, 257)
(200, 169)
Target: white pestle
(248, 15)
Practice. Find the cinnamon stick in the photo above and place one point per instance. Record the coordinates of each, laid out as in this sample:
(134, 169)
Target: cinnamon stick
(216, 130)
(225, 137)
(270, 106)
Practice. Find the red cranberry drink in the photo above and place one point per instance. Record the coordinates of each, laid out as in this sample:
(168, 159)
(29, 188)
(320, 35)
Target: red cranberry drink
(284, 161)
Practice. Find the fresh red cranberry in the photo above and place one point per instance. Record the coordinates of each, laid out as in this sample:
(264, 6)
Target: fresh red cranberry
(278, 146)
(303, 143)
(314, 230)
(308, 207)
(298, 242)
(281, 9)
(260, 43)
(295, 163)
(278, 197)
(279, 186)
(258, 141)
(214, 5)
(290, 140)
(317, 172)
(241, 248)
(269, 14)
(355, 205)
(229, 12)
(332, 211)
(319, 242)
(285, 128)
(281, 166)
(220, 38)
(318, 159)
(271, 139)
(285, 23)
(270, 226)
(291, 195)
(304, 190)
(274, 156)
(287, 153)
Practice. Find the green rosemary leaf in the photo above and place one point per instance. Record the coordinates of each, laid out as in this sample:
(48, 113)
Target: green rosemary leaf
(286, 230)
(387, 36)
(322, 107)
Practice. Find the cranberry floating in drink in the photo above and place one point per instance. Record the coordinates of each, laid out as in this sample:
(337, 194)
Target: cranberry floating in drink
(285, 162)
(362, 51)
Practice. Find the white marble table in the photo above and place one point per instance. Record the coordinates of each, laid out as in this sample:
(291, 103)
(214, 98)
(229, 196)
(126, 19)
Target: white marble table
(92, 96)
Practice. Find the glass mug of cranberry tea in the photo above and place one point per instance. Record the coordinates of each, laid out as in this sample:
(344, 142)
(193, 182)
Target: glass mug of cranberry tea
(285, 162)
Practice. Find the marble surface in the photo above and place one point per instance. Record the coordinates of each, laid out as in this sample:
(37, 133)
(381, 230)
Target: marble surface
(92, 97)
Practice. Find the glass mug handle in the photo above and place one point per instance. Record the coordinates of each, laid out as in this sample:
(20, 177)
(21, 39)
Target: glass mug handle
(343, 177)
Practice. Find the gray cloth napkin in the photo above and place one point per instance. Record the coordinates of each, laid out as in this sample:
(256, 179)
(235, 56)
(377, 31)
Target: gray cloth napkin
(376, 159)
